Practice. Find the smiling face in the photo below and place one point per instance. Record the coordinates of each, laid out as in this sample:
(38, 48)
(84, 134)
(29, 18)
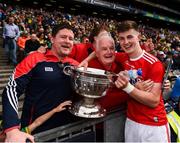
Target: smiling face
(105, 50)
(129, 41)
(62, 42)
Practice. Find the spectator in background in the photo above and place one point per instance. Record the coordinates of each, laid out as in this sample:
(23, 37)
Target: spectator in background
(21, 46)
(161, 56)
(176, 57)
(85, 39)
(32, 44)
(48, 40)
(22, 40)
(10, 35)
(41, 39)
(148, 46)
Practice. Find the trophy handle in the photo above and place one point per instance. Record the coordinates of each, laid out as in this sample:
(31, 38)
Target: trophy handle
(111, 76)
(68, 70)
(75, 83)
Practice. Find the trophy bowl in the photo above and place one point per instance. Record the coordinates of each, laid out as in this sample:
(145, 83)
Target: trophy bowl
(91, 84)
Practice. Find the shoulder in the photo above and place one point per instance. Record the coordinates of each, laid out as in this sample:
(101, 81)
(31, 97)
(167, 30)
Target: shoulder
(150, 58)
(71, 61)
(154, 67)
(152, 62)
(28, 63)
(36, 56)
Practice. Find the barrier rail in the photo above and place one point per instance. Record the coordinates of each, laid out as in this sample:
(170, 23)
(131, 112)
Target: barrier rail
(113, 124)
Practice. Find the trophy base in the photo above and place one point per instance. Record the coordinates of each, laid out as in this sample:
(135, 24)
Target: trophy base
(87, 111)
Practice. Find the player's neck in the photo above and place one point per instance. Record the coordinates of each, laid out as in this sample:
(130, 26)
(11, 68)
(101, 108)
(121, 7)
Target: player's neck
(136, 54)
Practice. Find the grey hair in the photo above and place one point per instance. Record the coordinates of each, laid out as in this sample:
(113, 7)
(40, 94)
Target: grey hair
(104, 35)
(104, 32)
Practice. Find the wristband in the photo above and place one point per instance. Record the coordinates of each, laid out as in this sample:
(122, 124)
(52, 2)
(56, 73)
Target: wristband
(129, 88)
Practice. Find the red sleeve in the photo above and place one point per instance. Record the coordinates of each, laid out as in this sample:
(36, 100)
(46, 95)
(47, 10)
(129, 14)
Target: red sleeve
(73, 52)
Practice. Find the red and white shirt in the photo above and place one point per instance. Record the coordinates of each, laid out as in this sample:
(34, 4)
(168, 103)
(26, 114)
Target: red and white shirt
(152, 69)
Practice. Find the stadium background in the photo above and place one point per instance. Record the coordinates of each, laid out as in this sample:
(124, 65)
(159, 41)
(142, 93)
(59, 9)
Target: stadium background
(157, 13)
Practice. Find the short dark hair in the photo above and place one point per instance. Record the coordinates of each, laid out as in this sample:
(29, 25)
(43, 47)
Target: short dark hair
(127, 25)
(63, 25)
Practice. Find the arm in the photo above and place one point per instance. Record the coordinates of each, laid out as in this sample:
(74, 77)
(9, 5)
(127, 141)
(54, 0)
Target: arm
(15, 87)
(40, 120)
(16, 135)
(166, 89)
(146, 85)
(149, 98)
(17, 33)
(84, 63)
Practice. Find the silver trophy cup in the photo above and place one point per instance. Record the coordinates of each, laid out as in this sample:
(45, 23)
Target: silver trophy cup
(91, 85)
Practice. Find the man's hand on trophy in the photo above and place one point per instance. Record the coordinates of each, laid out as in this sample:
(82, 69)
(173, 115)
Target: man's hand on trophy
(63, 106)
(83, 64)
(122, 80)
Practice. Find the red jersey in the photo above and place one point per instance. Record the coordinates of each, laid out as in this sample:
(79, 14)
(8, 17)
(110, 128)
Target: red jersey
(81, 51)
(114, 97)
(152, 69)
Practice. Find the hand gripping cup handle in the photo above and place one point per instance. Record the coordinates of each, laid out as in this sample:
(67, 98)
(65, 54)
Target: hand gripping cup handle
(68, 70)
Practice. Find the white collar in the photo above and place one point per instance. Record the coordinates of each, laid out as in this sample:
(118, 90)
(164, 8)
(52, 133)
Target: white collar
(140, 56)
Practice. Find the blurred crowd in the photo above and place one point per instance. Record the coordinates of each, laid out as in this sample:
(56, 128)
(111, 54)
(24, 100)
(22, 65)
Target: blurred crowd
(36, 25)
